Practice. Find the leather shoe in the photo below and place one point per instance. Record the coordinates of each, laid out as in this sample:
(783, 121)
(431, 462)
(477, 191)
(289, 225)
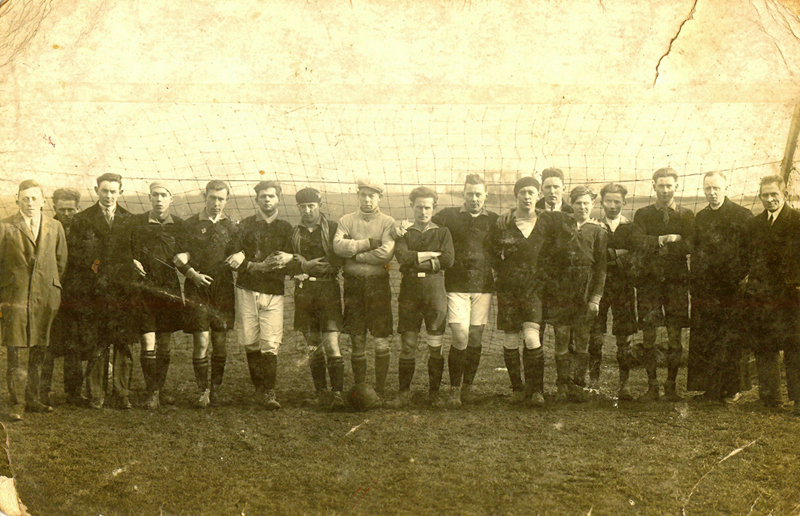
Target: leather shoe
(124, 403)
(38, 406)
(15, 414)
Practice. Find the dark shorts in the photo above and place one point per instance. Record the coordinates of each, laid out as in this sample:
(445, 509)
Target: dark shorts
(566, 298)
(317, 306)
(517, 304)
(620, 298)
(160, 314)
(209, 308)
(663, 303)
(422, 299)
(367, 306)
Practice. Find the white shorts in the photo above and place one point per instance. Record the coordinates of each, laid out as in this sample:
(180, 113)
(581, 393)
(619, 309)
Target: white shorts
(259, 319)
(468, 308)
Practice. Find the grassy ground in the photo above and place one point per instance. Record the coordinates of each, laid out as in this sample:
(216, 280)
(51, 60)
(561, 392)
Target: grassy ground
(598, 458)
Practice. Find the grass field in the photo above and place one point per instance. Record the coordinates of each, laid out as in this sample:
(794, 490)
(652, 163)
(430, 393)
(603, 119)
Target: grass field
(491, 458)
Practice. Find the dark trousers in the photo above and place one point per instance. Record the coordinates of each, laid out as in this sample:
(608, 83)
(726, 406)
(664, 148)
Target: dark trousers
(97, 370)
(769, 375)
(24, 368)
(73, 374)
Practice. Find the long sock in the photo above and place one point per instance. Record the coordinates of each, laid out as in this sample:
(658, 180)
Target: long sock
(511, 358)
(624, 359)
(406, 373)
(359, 366)
(382, 357)
(148, 360)
(562, 369)
(435, 372)
(472, 359)
(201, 372)
(580, 362)
(162, 366)
(318, 366)
(673, 363)
(254, 366)
(455, 366)
(47, 374)
(649, 363)
(533, 361)
(217, 369)
(270, 364)
(336, 373)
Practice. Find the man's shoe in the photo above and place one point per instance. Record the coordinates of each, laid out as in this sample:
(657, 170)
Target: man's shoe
(76, 400)
(577, 394)
(152, 401)
(562, 394)
(624, 394)
(517, 398)
(96, 403)
(402, 400)
(536, 400)
(670, 392)
(45, 399)
(454, 398)
(337, 402)
(38, 407)
(124, 403)
(733, 399)
(213, 397)
(434, 400)
(204, 400)
(468, 396)
(15, 414)
(652, 393)
(270, 401)
(166, 399)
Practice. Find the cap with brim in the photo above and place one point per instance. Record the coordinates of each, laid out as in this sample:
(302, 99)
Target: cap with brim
(372, 185)
(160, 184)
(307, 195)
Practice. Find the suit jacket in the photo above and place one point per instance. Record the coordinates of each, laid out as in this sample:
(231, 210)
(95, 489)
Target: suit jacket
(565, 206)
(30, 279)
(772, 259)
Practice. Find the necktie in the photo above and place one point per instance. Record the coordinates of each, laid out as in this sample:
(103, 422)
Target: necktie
(34, 229)
(108, 216)
(771, 219)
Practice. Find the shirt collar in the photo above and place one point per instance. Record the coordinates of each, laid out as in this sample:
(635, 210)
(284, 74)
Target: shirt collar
(431, 225)
(28, 220)
(672, 205)
(557, 207)
(152, 219)
(720, 205)
(777, 213)
(112, 210)
(204, 216)
(269, 220)
(465, 210)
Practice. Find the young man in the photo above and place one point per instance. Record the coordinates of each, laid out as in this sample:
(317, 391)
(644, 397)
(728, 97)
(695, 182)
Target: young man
(33, 255)
(576, 270)
(154, 242)
(716, 362)
(553, 192)
(98, 283)
(364, 239)
(265, 243)
(663, 232)
(63, 333)
(772, 255)
(207, 240)
(469, 284)
(423, 251)
(515, 254)
(318, 297)
(618, 294)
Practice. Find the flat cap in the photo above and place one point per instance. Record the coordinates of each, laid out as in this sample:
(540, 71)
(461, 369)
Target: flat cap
(371, 184)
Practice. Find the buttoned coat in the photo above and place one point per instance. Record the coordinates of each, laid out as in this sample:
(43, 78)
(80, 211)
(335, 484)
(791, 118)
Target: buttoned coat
(30, 279)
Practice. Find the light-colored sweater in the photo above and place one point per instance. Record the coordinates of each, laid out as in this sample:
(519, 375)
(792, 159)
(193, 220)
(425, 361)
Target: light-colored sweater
(351, 241)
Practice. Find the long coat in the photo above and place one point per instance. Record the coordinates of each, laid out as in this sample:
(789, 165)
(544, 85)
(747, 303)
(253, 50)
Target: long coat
(97, 283)
(772, 258)
(30, 279)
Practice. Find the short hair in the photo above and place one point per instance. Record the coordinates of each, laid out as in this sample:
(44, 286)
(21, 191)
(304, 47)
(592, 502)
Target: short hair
(580, 191)
(552, 172)
(111, 178)
(66, 194)
(612, 188)
(264, 185)
(474, 179)
(773, 179)
(665, 172)
(423, 192)
(216, 184)
(715, 173)
(27, 184)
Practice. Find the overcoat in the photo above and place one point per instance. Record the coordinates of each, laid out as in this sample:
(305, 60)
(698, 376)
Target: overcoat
(30, 279)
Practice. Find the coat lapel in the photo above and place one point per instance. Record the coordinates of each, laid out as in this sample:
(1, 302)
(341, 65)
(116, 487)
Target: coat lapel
(20, 223)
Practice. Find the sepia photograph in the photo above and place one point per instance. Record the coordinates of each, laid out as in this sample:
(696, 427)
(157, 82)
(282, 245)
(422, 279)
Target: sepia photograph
(429, 257)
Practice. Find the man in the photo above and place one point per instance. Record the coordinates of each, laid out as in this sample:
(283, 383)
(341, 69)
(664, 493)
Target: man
(364, 239)
(663, 231)
(206, 242)
(716, 355)
(154, 238)
(98, 284)
(469, 284)
(618, 295)
(33, 255)
(772, 299)
(553, 192)
(318, 297)
(63, 334)
(423, 251)
(264, 245)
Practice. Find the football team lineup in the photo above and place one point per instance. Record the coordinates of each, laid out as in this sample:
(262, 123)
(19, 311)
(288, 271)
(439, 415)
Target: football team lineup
(110, 278)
